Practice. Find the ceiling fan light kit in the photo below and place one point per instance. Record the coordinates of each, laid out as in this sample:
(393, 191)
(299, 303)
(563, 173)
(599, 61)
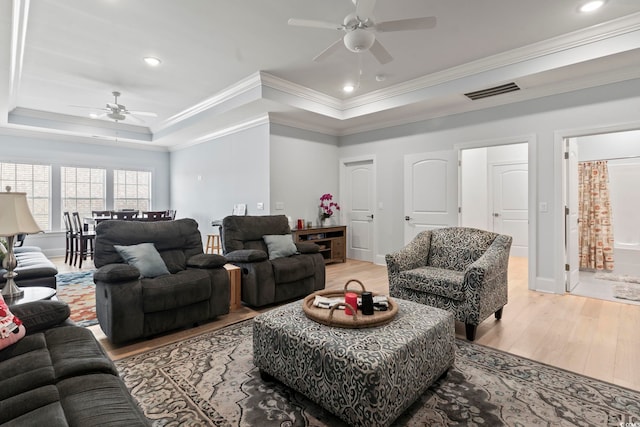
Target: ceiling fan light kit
(359, 40)
(360, 29)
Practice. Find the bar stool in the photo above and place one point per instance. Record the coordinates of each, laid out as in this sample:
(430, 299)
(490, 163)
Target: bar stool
(213, 244)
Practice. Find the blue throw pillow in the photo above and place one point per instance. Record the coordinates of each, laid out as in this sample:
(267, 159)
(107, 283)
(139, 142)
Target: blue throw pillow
(280, 245)
(145, 257)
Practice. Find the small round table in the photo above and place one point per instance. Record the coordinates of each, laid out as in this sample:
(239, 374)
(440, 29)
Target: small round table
(33, 293)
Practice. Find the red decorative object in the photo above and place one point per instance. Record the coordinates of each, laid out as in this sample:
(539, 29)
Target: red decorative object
(350, 298)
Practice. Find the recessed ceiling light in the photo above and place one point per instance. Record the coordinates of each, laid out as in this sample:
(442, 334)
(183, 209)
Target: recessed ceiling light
(152, 61)
(591, 6)
(348, 88)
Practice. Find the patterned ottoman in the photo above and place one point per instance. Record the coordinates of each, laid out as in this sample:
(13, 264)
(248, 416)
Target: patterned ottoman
(367, 377)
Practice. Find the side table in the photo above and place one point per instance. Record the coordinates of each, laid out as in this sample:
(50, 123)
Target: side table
(33, 293)
(235, 282)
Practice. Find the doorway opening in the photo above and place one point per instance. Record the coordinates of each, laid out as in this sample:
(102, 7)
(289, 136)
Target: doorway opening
(494, 192)
(620, 152)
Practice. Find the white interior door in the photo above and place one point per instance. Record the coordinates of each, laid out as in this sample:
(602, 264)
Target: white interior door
(430, 192)
(572, 214)
(510, 210)
(360, 203)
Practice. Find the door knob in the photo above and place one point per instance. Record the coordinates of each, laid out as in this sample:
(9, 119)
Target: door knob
(407, 218)
(370, 216)
(496, 214)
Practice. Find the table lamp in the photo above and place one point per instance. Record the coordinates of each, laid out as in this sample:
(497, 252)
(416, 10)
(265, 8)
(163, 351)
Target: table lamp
(15, 218)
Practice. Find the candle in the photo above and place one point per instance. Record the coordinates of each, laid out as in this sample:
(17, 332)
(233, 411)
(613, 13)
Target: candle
(351, 299)
(367, 303)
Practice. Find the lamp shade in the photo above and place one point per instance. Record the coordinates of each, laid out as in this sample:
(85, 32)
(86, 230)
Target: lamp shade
(15, 216)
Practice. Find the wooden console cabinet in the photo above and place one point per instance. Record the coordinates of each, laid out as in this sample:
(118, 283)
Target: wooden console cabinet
(332, 241)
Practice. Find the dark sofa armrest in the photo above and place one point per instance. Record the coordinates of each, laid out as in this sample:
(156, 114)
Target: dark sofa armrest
(308, 248)
(206, 261)
(247, 255)
(114, 273)
(37, 316)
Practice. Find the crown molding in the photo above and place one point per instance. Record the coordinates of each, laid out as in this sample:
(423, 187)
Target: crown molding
(279, 119)
(510, 98)
(22, 131)
(300, 91)
(229, 130)
(240, 87)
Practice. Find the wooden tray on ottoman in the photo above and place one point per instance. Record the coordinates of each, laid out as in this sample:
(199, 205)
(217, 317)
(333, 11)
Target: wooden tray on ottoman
(338, 318)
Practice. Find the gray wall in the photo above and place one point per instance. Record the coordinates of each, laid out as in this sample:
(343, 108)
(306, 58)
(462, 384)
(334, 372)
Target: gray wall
(601, 107)
(304, 166)
(63, 153)
(209, 178)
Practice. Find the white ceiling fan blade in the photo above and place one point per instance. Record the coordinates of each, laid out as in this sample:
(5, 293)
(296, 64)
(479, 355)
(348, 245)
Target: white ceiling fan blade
(380, 53)
(328, 51)
(407, 24)
(364, 8)
(142, 113)
(314, 24)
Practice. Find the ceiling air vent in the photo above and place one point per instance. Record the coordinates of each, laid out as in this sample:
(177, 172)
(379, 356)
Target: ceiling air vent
(498, 90)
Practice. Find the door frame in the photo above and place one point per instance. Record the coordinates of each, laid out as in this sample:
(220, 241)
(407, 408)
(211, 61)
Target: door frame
(377, 259)
(531, 141)
(559, 170)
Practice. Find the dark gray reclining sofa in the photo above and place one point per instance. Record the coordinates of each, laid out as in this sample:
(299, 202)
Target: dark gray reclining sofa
(266, 281)
(34, 268)
(59, 375)
(129, 307)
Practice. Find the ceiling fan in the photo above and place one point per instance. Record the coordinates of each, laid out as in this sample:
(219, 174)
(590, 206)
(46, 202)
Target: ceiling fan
(360, 29)
(119, 112)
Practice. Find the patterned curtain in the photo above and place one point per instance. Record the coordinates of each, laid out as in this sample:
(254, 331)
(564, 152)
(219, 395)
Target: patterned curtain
(594, 223)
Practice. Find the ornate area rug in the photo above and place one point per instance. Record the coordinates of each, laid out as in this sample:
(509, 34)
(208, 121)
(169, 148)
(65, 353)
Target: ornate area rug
(78, 290)
(210, 380)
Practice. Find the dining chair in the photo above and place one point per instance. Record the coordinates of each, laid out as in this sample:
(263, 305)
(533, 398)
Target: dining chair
(124, 215)
(154, 215)
(70, 238)
(83, 240)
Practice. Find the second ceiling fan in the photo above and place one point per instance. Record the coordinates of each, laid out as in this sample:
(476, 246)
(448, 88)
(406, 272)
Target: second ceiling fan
(360, 28)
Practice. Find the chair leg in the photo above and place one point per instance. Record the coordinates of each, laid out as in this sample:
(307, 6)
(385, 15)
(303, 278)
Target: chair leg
(498, 314)
(471, 331)
(82, 252)
(75, 252)
(66, 249)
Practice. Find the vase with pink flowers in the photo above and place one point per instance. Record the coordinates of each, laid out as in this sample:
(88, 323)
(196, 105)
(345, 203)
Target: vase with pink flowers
(327, 208)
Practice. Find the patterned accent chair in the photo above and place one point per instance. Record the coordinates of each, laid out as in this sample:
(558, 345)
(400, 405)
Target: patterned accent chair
(462, 270)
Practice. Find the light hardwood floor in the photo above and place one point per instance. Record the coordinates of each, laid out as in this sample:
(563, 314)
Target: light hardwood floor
(596, 338)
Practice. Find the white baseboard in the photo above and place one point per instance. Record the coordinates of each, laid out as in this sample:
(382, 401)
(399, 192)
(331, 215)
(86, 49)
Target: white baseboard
(548, 285)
